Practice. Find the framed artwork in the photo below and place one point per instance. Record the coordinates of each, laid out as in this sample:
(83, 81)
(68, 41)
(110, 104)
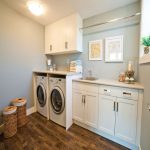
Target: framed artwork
(114, 49)
(96, 50)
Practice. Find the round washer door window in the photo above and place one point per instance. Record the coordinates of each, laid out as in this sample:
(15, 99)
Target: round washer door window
(57, 100)
(41, 95)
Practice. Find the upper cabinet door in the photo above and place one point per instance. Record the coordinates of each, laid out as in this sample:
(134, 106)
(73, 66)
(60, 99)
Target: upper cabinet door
(126, 120)
(64, 35)
(107, 114)
(91, 109)
(51, 38)
(73, 33)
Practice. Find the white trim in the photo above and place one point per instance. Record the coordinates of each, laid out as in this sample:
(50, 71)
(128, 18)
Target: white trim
(140, 147)
(30, 111)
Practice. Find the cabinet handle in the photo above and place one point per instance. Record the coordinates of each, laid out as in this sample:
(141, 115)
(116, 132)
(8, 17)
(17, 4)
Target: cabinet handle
(126, 93)
(108, 91)
(84, 99)
(117, 106)
(50, 47)
(66, 45)
(114, 105)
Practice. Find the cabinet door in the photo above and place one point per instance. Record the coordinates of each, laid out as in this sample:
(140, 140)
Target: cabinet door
(51, 38)
(78, 106)
(107, 114)
(126, 120)
(71, 32)
(91, 109)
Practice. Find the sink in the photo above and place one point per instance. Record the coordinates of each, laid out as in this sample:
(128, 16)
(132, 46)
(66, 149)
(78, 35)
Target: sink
(89, 78)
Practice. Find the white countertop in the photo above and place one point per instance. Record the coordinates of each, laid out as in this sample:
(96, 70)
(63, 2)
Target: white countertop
(66, 73)
(136, 85)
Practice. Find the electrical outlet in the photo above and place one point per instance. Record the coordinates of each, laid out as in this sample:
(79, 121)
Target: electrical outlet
(148, 106)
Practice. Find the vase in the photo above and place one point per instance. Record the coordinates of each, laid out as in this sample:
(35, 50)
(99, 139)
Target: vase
(146, 49)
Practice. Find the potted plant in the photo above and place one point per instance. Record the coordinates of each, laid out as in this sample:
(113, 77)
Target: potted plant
(146, 43)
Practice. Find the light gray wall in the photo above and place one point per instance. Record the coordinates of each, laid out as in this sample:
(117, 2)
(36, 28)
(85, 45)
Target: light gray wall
(21, 50)
(144, 77)
(129, 29)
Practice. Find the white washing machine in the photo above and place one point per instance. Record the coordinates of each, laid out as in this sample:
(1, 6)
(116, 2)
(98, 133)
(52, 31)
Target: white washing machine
(41, 95)
(57, 100)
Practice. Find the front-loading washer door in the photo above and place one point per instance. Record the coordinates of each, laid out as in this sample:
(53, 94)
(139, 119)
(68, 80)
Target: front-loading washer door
(41, 94)
(57, 100)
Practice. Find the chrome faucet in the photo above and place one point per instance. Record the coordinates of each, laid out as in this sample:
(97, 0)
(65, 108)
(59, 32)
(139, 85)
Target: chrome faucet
(90, 73)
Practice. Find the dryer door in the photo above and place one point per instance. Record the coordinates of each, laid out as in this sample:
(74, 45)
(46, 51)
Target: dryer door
(41, 94)
(57, 100)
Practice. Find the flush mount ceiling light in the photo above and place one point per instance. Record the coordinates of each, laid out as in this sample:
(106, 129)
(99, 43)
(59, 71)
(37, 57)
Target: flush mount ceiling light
(35, 8)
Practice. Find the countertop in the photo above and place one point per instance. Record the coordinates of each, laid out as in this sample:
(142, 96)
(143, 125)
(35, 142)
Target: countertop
(136, 85)
(66, 73)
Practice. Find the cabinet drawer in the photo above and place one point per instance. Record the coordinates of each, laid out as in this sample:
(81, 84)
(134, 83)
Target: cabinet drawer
(85, 87)
(128, 93)
(119, 92)
(107, 90)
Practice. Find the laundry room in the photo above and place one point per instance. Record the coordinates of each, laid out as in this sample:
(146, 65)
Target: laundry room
(74, 75)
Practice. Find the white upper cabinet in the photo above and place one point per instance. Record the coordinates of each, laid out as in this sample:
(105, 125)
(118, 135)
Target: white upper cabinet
(64, 36)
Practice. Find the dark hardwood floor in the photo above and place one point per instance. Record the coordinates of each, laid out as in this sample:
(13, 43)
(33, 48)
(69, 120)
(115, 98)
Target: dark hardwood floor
(40, 134)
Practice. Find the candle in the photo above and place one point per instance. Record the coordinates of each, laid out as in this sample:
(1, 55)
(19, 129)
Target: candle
(49, 62)
(129, 67)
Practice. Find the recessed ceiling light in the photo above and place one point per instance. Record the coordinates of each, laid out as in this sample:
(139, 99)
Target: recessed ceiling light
(35, 8)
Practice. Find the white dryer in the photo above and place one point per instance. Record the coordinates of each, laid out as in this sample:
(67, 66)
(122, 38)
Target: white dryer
(58, 100)
(41, 95)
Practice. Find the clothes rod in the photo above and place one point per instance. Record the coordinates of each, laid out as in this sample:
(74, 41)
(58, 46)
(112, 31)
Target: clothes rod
(113, 20)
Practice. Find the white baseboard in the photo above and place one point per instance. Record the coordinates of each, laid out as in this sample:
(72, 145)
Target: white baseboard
(30, 110)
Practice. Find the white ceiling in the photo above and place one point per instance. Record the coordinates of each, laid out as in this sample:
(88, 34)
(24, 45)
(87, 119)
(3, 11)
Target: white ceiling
(56, 9)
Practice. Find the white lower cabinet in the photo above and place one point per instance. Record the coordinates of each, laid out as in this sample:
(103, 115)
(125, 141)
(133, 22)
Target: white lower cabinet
(106, 114)
(91, 109)
(78, 106)
(118, 117)
(126, 120)
(85, 107)
(113, 112)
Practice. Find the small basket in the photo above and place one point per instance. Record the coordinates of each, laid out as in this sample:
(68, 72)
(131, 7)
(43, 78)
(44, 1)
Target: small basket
(10, 121)
(20, 103)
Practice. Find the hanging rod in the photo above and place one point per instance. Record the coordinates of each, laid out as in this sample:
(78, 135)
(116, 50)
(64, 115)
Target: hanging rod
(113, 20)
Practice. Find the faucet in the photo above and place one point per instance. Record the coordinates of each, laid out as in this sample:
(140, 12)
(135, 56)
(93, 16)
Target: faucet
(90, 73)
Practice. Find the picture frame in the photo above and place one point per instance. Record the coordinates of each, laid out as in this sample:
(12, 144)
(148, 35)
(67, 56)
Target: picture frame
(114, 49)
(96, 50)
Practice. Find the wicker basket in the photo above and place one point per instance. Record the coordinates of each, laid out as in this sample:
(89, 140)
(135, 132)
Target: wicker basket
(20, 103)
(10, 121)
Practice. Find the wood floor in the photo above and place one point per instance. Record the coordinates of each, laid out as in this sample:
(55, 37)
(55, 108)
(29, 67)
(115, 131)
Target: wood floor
(40, 134)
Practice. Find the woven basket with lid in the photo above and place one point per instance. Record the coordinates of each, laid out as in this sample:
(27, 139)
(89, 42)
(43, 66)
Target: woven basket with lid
(10, 121)
(20, 103)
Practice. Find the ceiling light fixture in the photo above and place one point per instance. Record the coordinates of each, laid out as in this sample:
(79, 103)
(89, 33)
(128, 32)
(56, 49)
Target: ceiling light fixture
(35, 8)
